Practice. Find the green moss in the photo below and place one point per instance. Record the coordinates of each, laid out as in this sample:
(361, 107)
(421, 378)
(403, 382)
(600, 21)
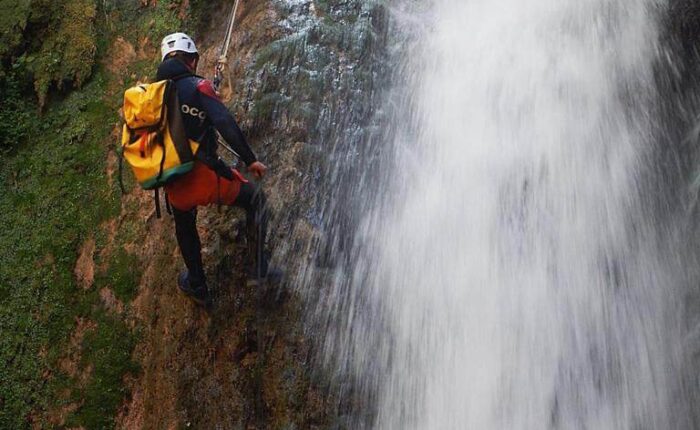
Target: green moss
(266, 105)
(54, 195)
(163, 20)
(17, 114)
(122, 276)
(53, 43)
(201, 13)
(44, 188)
(13, 21)
(107, 351)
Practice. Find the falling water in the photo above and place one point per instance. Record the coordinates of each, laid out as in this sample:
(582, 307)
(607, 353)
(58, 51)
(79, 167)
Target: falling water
(511, 274)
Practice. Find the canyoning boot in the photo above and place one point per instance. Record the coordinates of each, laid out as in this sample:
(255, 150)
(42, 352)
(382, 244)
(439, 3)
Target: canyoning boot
(198, 294)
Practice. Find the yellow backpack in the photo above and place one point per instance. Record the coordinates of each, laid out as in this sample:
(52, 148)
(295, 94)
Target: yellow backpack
(154, 142)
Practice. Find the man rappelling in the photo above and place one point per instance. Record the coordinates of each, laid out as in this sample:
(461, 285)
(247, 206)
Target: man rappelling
(211, 180)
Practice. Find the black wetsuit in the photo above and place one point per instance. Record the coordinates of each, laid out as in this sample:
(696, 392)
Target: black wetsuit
(203, 115)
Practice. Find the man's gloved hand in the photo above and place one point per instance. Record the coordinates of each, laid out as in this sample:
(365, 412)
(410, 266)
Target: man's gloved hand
(257, 169)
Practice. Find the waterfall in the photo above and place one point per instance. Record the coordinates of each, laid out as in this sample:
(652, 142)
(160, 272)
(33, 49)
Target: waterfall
(510, 273)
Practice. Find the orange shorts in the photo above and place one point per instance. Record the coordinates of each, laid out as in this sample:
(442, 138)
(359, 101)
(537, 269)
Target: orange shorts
(202, 187)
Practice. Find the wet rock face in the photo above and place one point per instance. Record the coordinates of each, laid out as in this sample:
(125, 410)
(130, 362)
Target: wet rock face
(313, 113)
(317, 86)
(681, 44)
(319, 76)
(683, 24)
(677, 72)
(677, 160)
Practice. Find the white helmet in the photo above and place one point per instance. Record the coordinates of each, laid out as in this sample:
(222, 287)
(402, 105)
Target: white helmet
(177, 42)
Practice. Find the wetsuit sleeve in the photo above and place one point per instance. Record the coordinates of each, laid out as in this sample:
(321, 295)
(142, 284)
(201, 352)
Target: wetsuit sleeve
(224, 122)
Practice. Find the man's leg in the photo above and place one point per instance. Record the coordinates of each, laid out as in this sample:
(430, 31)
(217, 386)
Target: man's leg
(253, 200)
(190, 246)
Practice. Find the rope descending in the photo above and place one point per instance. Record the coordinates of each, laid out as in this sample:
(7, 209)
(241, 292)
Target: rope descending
(223, 59)
(219, 71)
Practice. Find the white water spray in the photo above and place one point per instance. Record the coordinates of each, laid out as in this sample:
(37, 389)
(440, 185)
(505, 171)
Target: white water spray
(514, 267)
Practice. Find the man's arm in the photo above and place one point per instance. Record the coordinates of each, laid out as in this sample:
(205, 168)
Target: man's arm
(224, 122)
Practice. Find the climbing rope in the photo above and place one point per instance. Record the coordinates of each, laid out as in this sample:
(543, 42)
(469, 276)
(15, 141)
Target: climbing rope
(223, 60)
(219, 70)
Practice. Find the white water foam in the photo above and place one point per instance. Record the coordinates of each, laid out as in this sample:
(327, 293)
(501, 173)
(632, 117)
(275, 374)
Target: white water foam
(512, 276)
